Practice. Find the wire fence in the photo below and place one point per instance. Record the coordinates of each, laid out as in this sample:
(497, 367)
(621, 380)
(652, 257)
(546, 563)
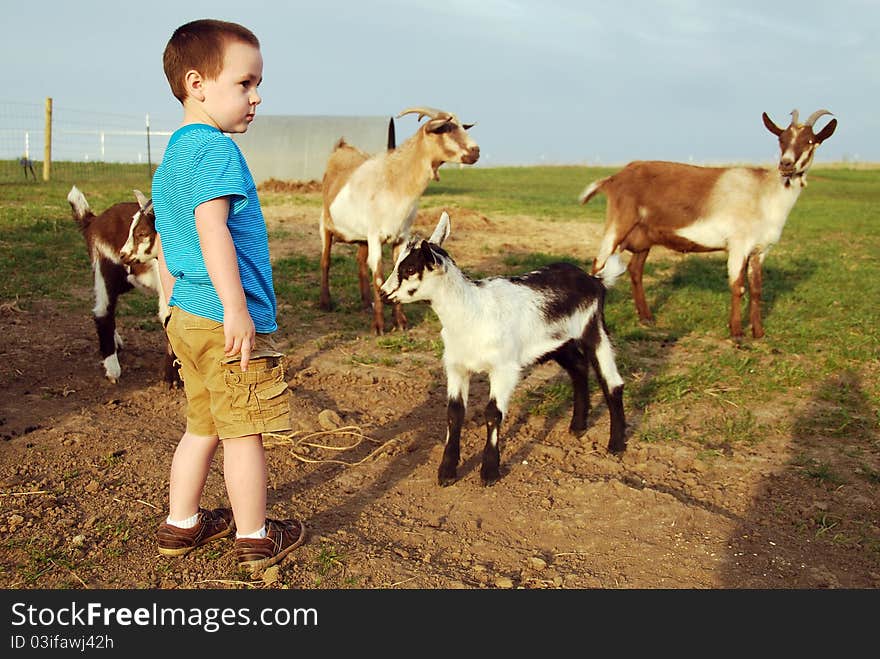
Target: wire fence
(83, 140)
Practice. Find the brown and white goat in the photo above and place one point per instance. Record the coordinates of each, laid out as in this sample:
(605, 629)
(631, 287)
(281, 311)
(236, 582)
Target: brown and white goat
(686, 208)
(372, 200)
(121, 243)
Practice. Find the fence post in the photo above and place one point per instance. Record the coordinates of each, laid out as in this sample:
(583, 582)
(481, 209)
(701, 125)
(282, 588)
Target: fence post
(47, 142)
(149, 162)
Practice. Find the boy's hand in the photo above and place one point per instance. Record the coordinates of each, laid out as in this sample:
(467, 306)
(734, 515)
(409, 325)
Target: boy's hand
(240, 335)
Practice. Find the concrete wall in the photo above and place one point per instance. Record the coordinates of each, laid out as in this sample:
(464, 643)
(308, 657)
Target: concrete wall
(295, 148)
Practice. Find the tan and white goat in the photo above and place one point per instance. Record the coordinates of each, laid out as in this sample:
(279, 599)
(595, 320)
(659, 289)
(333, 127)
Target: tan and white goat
(372, 200)
(686, 208)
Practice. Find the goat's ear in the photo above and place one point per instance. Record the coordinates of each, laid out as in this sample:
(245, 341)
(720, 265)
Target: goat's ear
(442, 125)
(468, 126)
(141, 199)
(441, 231)
(826, 132)
(773, 128)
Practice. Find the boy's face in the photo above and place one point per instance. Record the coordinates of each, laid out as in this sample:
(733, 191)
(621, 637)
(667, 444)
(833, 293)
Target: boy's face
(230, 101)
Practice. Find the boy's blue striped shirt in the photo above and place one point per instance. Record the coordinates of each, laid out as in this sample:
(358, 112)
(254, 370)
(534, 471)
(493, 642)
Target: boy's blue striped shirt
(200, 164)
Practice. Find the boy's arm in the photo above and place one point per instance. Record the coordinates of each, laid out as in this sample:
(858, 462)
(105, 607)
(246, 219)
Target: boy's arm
(165, 277)
(218, 251)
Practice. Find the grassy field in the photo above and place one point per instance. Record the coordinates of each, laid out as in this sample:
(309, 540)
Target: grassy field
(821, 302)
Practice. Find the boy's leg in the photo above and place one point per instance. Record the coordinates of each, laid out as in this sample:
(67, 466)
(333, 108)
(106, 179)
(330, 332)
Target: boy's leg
(244, 469)
(189, 473)
(188, 525)
(259, 404)
(192, 525)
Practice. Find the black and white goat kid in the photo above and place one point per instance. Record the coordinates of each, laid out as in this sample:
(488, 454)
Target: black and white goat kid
(501, 326)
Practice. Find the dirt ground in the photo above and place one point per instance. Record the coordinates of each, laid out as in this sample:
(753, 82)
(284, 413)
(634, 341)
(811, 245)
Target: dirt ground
(84, 470)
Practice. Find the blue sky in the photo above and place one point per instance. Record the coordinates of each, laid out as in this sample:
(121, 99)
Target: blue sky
(546, 81)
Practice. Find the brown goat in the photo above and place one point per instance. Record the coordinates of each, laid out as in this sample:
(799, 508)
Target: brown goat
(686, 208)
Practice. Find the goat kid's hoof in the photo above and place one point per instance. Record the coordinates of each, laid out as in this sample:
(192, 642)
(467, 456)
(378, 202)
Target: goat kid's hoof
(446, 479)
(617, 448)
(489, 477)
(577, 429)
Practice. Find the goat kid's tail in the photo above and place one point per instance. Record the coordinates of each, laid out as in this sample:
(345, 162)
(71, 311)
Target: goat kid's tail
(592, 189)
(82, 213)
(613, 268)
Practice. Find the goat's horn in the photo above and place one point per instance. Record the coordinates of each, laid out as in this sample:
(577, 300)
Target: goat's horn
(812, 118)
(794, 117)
(424, 112)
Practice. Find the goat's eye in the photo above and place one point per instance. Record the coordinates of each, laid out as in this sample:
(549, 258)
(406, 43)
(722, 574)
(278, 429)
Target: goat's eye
(408, 272)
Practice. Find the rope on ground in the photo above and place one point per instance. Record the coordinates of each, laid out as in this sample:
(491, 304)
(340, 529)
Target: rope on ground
(298, 439)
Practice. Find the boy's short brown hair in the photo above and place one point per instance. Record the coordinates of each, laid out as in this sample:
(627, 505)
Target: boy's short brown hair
(200, 45)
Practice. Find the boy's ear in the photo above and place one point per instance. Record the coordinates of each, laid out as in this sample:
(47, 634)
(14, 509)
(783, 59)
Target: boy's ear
(194, 83)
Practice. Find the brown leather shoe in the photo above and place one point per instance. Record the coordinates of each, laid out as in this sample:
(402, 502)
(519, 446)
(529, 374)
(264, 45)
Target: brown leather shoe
(212, 524)
(282, 536)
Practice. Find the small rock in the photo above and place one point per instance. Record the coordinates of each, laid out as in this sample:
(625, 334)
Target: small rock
(537, 564)
(271, 575)
(93, 486)
(329, 420)
(504, 582)
(14, 520)
(554, 453)
(78, 540)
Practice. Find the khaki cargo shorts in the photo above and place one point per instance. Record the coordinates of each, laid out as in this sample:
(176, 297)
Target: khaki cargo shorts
(221, 399)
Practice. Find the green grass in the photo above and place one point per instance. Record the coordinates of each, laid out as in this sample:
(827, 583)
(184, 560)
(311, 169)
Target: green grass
(547, 193)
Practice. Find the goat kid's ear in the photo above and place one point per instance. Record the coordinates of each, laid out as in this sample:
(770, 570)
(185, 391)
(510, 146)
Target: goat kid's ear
(441, 231)
(773, 128)
(141, 199)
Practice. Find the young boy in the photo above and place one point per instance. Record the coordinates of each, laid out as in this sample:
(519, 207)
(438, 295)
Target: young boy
(214, 263)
